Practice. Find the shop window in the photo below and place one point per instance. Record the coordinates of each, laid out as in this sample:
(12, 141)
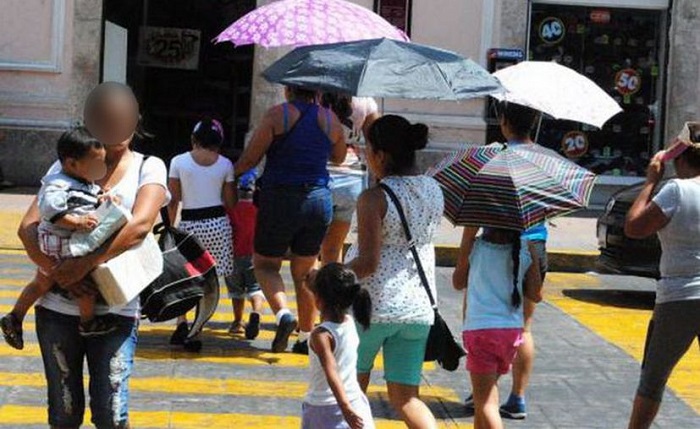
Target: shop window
(622, 51)
(397, 12)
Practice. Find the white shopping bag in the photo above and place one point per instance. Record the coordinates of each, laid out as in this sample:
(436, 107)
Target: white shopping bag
(122, 278)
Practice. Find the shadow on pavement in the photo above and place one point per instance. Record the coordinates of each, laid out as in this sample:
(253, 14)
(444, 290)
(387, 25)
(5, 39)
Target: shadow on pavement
(633, 299)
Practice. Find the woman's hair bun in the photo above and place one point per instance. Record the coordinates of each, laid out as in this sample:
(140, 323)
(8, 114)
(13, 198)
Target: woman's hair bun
(418, 136)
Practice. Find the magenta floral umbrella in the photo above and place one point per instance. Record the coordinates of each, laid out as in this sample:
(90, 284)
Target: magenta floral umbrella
(308, 22)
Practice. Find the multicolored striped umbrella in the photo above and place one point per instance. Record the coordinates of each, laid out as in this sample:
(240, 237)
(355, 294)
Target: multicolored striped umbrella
(511, 187)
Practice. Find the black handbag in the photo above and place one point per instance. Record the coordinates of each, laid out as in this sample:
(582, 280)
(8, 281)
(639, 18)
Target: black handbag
(441, 346)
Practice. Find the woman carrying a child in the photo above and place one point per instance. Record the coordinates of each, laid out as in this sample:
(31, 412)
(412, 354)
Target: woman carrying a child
(111, 115)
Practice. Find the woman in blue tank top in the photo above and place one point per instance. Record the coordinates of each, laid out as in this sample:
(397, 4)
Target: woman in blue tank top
(298, 139)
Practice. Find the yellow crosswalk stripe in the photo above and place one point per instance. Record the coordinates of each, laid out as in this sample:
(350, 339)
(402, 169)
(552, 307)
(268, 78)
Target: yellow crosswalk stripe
(224, 302)
(220, 387)
(211, 354)
(12, 415)
(219, 316)
(166, 329)
(627, 332)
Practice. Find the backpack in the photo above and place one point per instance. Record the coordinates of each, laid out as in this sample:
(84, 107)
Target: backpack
(188, 278)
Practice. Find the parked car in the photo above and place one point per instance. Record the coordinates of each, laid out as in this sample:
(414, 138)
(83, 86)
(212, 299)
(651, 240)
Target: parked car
(620, 254)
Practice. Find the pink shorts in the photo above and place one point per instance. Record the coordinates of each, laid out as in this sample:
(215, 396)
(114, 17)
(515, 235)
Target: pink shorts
(491, 351)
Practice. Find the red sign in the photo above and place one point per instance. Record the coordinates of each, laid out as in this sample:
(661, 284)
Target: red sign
(600, 16)
(575, 144)
(397, 12)
(628, 81)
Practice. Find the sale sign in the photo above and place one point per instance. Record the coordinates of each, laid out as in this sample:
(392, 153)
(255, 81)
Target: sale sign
(575, 144)
(600, 16)
(628, 81)
(552, 30)
(176, 48)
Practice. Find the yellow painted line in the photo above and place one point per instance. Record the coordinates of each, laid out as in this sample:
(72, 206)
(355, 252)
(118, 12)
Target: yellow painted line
(221, 387)
(166, 329)
(24, 415)
(15, 282)
(209, 354)
(219, 316)
(624, 327)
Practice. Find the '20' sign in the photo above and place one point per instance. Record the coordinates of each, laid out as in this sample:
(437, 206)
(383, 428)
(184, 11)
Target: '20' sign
(574, 144)
(552, 30)
(628, 81)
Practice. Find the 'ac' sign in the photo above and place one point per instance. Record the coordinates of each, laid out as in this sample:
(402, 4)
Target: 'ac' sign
(552, 30)
(628, 81)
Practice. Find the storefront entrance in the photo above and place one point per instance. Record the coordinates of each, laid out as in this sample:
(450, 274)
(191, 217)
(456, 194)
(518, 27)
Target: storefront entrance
(178, 74)
(623, 51)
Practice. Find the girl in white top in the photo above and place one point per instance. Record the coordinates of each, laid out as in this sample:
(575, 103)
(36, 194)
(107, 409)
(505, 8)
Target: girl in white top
(203, 180)
(335, 399)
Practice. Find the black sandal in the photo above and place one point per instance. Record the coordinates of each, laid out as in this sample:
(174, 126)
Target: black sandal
(12, 331)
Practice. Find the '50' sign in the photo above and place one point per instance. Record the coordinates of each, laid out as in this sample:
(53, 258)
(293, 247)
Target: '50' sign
(628, 81)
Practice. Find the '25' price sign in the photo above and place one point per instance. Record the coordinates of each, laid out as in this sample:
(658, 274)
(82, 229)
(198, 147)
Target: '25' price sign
(574, 144)
(552, 30)
(628, 81)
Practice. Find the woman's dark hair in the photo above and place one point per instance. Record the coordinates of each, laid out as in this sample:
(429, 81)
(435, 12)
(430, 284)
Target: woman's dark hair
(400, 139)
(338, 288)
(340, 104)
(515, 297)
(208, 134)
(520, 119)
(692, 154)
(76, 143)
(300, 93)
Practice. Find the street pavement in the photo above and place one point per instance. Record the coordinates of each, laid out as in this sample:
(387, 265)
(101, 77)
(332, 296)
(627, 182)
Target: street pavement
(589, 333)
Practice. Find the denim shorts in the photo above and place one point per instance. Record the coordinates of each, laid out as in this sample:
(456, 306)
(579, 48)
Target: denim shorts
(242, 284)
(345, 189)
(292, 218)
(403, 346)
(110, 360)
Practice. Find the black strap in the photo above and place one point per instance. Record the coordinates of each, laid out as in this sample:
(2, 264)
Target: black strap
(411, 243)
(302, 113)
(163, 210)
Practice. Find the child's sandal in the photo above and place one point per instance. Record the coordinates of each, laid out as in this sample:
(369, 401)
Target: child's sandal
(12, 331)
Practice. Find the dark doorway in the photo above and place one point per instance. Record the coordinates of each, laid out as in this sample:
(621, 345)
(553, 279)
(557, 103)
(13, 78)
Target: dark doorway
(179, 75)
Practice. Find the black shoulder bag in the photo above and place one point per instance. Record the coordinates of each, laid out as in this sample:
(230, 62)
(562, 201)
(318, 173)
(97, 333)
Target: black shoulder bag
(441, 346)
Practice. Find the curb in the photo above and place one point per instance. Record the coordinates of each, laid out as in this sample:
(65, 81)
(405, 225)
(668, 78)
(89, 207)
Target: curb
(559, 260)
(567, 261)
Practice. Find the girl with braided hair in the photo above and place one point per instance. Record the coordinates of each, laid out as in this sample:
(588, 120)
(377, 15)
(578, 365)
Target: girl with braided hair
(502, 271)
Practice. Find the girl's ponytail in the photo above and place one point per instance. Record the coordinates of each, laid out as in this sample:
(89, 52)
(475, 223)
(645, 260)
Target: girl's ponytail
(362, 306)
(516, 299)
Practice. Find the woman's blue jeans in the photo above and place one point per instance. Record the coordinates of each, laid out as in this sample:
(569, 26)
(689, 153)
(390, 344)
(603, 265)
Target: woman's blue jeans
(110, 359)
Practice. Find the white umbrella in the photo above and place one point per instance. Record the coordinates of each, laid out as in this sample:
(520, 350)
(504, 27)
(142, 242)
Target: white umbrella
(557, 91)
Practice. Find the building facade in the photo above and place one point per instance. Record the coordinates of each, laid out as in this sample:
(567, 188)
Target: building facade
(640, 51)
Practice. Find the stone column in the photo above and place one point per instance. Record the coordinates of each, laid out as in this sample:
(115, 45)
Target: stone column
(683, 69)
(264, 94)
(87, 48)
(513, 24)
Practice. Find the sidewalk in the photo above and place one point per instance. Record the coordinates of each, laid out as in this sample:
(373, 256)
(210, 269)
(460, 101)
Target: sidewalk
(572, 244)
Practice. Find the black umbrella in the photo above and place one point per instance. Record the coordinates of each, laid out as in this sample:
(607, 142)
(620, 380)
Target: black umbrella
(384, 68)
